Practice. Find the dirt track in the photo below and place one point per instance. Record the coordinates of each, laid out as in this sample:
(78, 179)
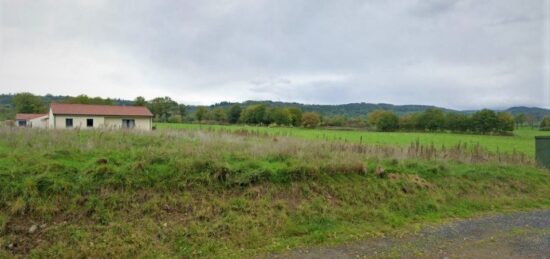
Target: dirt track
(517, 235)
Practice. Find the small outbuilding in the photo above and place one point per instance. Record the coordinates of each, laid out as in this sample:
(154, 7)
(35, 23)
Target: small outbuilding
(35, 120)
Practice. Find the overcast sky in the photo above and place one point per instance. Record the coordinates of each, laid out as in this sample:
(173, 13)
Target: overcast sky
(457, 54)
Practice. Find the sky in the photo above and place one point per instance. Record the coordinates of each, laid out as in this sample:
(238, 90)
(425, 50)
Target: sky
(460, 54)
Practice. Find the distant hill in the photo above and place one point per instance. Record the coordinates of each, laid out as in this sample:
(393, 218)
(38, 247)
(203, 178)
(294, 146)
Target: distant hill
(538, 113)
(6, 99)
(349, 110)
(7, 110)
(359, 109)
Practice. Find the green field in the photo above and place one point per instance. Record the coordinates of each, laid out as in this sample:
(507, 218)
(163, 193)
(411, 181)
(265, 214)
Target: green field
(523, 140)
(191, 193)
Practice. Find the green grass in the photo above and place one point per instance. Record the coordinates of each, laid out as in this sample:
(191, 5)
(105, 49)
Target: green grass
(189, 193)
(523, 140)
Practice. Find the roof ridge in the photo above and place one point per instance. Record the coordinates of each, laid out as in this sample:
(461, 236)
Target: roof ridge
(99, 109)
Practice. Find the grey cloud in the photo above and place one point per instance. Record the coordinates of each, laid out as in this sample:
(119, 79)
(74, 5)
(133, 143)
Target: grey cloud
(428, 52)
(433, 7)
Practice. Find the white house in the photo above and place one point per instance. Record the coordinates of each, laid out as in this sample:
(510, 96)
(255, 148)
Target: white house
(63, 115)
(85, 116)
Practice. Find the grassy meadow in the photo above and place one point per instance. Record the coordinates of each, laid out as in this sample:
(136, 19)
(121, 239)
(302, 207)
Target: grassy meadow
(522, 141)
(182, 193)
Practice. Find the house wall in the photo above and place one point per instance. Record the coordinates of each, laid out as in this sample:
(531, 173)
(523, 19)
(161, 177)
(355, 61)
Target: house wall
(40, 122)
(51, 120)
(78, 121)
(116, 122)
(142, 123)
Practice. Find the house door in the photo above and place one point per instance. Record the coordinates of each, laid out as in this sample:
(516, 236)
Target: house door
(128, 123)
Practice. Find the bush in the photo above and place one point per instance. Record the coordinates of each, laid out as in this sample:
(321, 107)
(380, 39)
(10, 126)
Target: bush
(310, 119)
(431, 119)
(384, 120)
(485, 121)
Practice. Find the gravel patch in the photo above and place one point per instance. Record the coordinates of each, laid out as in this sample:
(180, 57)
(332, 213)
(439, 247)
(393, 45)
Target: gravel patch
(515, 235)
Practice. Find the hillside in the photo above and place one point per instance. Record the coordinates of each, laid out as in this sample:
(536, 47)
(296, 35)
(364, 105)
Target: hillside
(348, 110)
(361, 109)
(538, 113)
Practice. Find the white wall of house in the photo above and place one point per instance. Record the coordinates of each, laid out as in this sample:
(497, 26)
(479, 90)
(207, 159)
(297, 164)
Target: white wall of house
(114, 122)
(78, 121)
(142, 123)
(40, 122)
(51, 120)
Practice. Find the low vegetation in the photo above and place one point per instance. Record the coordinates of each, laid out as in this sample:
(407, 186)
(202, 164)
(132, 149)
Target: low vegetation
(214, 193)
(522, 141)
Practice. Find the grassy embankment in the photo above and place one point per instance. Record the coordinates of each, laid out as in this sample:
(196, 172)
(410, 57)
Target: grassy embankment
(214, 194)
(523, 140)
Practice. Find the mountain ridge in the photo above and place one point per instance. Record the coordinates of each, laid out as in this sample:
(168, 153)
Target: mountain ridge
(349, 109)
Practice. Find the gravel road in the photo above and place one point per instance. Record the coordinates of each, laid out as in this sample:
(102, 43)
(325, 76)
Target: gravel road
(516, 235)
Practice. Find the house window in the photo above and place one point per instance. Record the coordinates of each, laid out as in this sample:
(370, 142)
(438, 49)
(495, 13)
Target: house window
(22, 123)
(69, 123)
(90, 123)
(128, 123)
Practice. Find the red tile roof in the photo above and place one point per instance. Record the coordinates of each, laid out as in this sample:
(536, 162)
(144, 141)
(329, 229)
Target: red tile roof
(102, 110)
(28, 116)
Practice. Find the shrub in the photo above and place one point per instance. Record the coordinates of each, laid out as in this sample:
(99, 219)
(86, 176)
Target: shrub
(545, 124)
(310, 119)
(384, 120)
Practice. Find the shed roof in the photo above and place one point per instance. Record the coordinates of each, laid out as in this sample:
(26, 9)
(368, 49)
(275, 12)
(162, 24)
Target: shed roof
(28, 116)
(102, 110)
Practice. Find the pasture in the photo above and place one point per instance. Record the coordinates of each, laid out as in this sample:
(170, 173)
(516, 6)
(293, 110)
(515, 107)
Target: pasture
(199, 193)
(522, 141)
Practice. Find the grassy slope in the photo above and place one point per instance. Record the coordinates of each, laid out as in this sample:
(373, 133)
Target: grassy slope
(522, 141)
(189, 193)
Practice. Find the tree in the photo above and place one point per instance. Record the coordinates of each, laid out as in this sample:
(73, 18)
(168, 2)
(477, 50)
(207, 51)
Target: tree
(373, 117)
(28, 103)
(278, 115)
(163, 108)
(530, 119)
(337, 120)
(295, 116)
(484, 121)
(6, 112)
(358, 122)
(545, 124)
(84, 99)
(182, 110)
(409, 121)
(432, 119)
(310, 119)
(219, 114)
(387, 121)
(254, 114)
(505, 122)
(201, 113)
(140, 101)
(520, 119)
(176, 118)
(235, 113)
(457, 122)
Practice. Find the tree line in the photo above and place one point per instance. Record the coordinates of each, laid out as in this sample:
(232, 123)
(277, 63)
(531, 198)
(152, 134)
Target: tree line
(483, 121)
(432, 119)
(165, 109)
